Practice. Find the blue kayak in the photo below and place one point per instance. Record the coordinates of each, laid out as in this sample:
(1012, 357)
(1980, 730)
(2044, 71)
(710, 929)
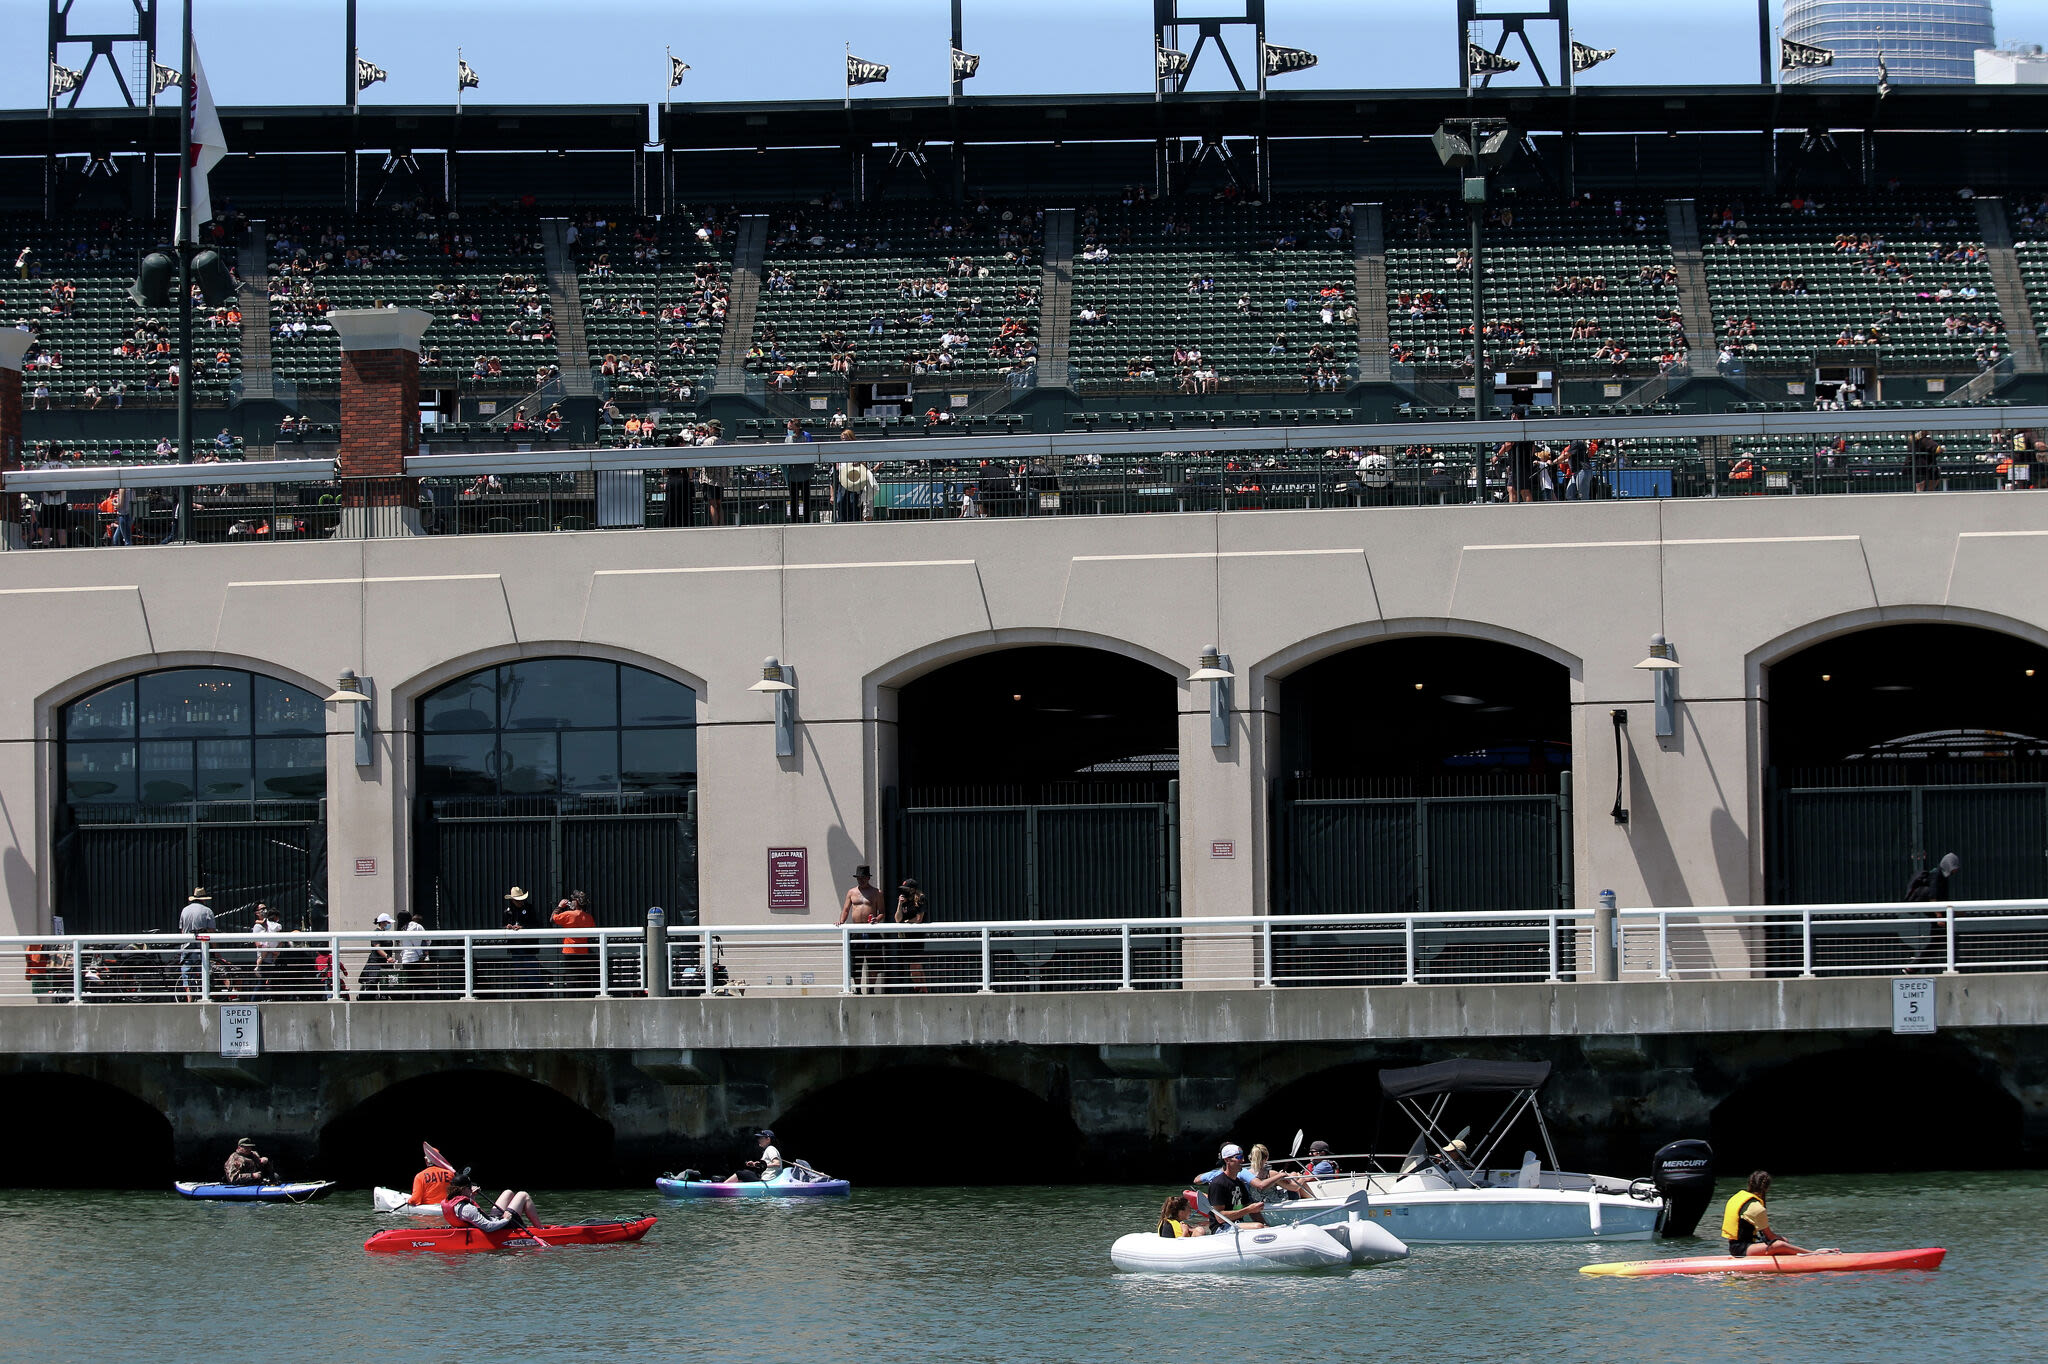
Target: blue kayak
(788, 1184)
(303, 1191)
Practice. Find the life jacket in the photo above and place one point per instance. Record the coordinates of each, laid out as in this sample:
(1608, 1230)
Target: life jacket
(451, 1211)
(1171, 1228)
(1732, 1226)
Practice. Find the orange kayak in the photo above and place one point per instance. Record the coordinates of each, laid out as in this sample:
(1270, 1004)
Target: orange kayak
(459, 1240)
(1835, 1260)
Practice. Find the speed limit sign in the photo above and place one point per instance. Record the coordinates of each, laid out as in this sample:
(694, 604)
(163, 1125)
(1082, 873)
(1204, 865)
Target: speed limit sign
(241, 1033)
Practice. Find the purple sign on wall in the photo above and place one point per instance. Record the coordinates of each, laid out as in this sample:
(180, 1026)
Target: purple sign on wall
(789, 878)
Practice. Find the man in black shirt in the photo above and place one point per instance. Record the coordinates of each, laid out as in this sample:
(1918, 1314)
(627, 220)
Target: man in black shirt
(1229, 1195)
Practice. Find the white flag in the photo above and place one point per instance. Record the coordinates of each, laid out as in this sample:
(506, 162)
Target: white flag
(63, 80)
(209, 146)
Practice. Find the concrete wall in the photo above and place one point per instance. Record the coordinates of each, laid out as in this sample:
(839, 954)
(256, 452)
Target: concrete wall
(859, 610)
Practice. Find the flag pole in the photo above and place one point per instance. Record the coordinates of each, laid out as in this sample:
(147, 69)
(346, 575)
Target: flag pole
(458, 80)
(849, 75)
(188, 235)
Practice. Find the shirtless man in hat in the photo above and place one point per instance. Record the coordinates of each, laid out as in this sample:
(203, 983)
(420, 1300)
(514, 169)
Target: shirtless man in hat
(863, 905)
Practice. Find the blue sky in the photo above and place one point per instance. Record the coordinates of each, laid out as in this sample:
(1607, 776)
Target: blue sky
(598, 51)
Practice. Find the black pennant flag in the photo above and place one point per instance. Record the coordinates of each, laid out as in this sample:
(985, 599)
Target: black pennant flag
(1480, 62)
(859, 72)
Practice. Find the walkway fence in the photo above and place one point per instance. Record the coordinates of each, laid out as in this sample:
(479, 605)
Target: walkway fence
(1505, 947)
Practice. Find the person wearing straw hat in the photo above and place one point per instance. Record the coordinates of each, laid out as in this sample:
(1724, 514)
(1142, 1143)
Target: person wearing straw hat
(197, 915)
(519, 902)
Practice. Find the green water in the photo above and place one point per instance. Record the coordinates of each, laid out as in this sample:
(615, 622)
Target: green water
(985, 1274)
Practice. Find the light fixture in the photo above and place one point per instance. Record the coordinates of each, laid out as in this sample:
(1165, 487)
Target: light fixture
(776, 681)
(1829, 677)
(1663, 670)
(353, 691)
(1215, 670)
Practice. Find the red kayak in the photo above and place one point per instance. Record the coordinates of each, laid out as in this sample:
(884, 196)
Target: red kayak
(460, 1240)
(1834, 1260)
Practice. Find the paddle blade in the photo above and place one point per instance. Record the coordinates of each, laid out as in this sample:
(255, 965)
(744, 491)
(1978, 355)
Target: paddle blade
(1295, 1149)
(436, 1159)
(1416, 1155)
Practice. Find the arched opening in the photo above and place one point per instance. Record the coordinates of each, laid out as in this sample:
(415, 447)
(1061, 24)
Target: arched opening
(191, 777)
(72, 1132)
(1418, 774)
(880, 1128)
(1892, 746)
(1037, 783)
(1844, 1112)
(511, 1131)
(556, 775)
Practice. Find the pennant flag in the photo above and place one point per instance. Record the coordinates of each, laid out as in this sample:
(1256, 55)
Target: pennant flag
(965, 64)
(1167, 63)
(1884, 76)
(1586, 58)
(1792, 56)
(1281, 60)
(465, 74)
(860, 72)
(63, 80)
(367, 75)
(676, 67)
(209, 145)
(162, 78)
(1480, 62)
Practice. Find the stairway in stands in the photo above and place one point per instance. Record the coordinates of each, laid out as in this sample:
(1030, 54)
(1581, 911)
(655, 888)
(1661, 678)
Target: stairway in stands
(1694, 304)
(2022, 337)
(1369, 292)
(1056, 299)
(565, 301)
(750, 248)
(253, 265)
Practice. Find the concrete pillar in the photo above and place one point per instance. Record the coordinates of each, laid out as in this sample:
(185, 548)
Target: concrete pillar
(380, 418)
(367, 871)
(13, 346)
(1222, 837)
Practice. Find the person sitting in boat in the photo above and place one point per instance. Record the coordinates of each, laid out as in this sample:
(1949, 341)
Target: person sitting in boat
(1267, 1183)
(1746, 1225)
(1229, 1188)
(1181, 1218)
(1320, 1165)
(247, 1165)
(513, 1209)
(430, 1186)
(767, 1166)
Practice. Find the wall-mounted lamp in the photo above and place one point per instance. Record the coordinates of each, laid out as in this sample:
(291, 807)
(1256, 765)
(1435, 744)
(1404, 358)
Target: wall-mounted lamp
(779, 681)
(1215, 670)
(1663, 670)
(354, 692)
(1620, 718)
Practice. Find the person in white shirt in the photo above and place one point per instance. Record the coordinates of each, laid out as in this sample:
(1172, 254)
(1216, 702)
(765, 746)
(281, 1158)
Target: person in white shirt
(767, 1166)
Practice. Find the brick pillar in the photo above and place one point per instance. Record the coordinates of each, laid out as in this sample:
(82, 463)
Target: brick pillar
(380, 417)
(13, 346)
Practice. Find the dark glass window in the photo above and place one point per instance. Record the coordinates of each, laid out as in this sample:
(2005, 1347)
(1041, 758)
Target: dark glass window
(194, 734)
(557, 727)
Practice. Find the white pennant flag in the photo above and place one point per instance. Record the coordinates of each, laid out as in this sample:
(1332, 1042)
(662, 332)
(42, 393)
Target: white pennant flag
(676, 67)
(1480, 62)
(209, 146)
(965, 64)
(162, 78)
(63, 80)
(1586, 58)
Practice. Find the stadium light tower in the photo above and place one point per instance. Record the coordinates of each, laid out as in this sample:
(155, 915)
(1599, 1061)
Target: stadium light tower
(1476, 147)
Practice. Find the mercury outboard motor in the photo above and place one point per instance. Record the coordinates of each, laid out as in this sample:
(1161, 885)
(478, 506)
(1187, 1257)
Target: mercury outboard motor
(1684, 1173)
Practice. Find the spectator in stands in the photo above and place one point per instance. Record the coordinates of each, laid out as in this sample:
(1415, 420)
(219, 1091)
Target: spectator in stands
(1925, 453)
(712, 480)
(797, 477)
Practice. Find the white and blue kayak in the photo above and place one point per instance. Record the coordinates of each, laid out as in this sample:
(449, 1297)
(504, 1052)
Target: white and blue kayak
(297, 1191)
(790, 1182)
(1253, 1249)
(400, 1201)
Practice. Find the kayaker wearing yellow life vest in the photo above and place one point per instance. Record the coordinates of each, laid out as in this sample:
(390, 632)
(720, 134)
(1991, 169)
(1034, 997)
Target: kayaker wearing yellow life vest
(1746, 1224)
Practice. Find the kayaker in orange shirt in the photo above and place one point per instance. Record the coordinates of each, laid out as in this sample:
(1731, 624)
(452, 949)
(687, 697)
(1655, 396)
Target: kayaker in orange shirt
(579, 964)
(430, 1186)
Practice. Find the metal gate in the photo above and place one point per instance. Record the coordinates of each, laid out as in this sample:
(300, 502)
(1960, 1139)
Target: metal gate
(628, 852)
(130, 868)
(1338, 854)
(1858, 844)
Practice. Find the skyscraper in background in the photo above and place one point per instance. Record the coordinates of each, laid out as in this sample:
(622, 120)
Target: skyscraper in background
(1925, 42)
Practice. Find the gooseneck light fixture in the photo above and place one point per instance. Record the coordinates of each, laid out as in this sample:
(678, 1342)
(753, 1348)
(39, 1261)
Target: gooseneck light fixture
(354, 692)
(778, 681)
(1215, 670)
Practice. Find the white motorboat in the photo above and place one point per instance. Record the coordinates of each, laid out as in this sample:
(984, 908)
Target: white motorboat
(1444, 1191)
(400, 1200)
(1240, 1250)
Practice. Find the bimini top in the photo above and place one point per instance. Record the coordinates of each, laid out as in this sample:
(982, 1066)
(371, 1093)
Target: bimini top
(1464, 1076)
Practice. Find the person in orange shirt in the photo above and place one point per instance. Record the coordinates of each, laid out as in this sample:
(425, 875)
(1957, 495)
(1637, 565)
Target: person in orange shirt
(430, 1187)
(579, 963)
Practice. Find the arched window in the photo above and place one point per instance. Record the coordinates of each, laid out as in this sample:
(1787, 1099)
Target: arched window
(189, 777)
(556, 774)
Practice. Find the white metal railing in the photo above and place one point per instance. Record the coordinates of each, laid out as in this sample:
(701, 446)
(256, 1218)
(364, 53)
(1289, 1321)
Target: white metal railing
(1734, 942)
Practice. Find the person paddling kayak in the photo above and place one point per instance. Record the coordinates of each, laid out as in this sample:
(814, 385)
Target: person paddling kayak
(767, 1166)
(430, 1186)
(513, 1209)
(247, 1165)
(1746, 1224)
